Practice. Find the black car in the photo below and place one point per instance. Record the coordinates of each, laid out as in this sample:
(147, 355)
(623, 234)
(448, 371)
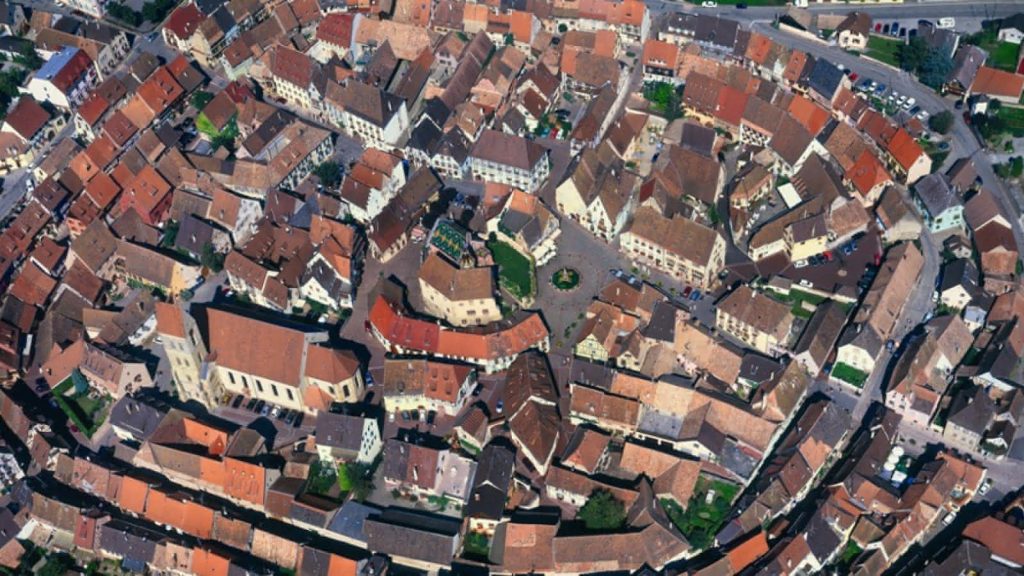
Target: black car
(237, 401)
(431, 416)
(741, 6)
(251, 404)
(259, 406)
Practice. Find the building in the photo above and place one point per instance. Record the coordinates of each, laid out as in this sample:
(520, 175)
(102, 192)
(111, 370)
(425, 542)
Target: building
(875, 320)
(346, 438)
(853, 32)
(677, 246)
(216, 352)
(507, 159)
(95, 8)
(460, 296)
(378, 118)
(492, 350)
(601, 194)
(65, 79)
(755, 319)
(422, 384)
(939, 204)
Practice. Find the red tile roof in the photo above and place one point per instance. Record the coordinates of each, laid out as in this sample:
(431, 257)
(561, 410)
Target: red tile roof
(160, 91)
(998, 83)
(336, 29)
(184, 21)
(809, 114)
(27, 117)
(731, 104)
(867, 172)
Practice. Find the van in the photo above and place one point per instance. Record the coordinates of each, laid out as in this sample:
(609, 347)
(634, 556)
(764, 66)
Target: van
(948, 23)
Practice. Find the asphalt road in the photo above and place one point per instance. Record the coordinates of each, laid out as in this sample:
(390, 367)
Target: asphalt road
(927, 9)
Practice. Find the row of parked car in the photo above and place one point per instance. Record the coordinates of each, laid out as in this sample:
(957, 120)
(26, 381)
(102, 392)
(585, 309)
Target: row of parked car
(262, 408)
(906, 103)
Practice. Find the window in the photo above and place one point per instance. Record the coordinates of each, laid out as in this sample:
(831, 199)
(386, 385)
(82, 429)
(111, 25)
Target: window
(291, 396)
(273, 388)
(259, 386)
(231, 377)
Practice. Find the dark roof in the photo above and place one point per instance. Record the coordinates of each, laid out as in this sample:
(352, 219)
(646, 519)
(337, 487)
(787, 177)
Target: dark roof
(138, 418)
(960, 272)
(339, 430)
(419, 536)
(825, 78)
(495, 466)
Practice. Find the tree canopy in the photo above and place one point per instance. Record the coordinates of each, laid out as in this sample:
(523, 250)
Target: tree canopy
(329, 173)
(603, 511)
(941, 122)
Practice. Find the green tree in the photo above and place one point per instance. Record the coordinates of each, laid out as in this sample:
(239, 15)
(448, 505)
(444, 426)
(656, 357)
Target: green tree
(509, 39)
(29, 58)
(200, 98)
(934, 69)
(124, 14)
(912, 54)
(211, 258)
(329, 173)
(941, 122)
(603, 511)
(562, 28)
(157, 10)
(356, 479)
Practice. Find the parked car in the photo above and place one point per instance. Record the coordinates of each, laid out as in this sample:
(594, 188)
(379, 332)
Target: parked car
(237, 401)
(800, 264)
(500, 406)
(709, 4)
(696, 296)
(251, 404)
(265, 411)
(686, 291)
(405, 415)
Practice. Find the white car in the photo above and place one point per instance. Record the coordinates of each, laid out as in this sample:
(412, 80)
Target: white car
(947, 23)
(709, 4)
(800, 264)
(922, 115)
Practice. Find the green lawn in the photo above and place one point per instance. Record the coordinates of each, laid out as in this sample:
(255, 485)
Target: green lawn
(885, 50)
(515, 271)
(86, 408)
(849, 374)
(1002, 55)
(1013, 117)
(477, 544)
(797, 299)
(700, 521)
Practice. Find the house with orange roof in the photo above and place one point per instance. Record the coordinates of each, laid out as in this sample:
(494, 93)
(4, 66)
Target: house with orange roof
(415, 384)
(1003, 86)
(295, 370)
(494, 350)
(630, 19)
(149, 194)
(868, 177)
(660, 61)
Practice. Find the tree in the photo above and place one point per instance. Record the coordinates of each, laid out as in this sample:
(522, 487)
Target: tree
(941, 122)
(329, 173)
(356, 479)
(934, 69)
(603, 511)
(200, 98)
(912, 54)
(211, 258)
(510, 39)
(562, 28)
(665, 98)
(29, 58)
(124, 14)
